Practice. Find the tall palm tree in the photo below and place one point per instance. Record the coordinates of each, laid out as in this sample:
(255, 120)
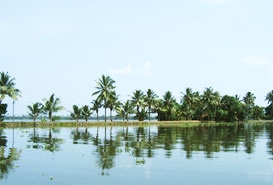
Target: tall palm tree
(105, 86)
(249, 99)
(150, 100)
(86, 112)
(76, 114)
(35, 110)
(168, 102)
(137, 101)
(52, 105)
(96, 105)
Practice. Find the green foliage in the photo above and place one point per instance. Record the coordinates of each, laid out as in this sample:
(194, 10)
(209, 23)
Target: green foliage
(52, 105)
(35, 110)
(3, 111)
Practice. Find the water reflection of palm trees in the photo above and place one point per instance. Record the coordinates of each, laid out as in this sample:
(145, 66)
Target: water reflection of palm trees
(7, 158)
(144, 142)
(45, 140)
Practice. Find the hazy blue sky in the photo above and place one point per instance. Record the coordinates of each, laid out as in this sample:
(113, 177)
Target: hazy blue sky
(64, 46)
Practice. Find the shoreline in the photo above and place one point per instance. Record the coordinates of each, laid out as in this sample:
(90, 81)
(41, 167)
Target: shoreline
(183, 123)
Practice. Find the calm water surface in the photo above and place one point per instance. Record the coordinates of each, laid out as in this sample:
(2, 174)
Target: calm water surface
(234, 154)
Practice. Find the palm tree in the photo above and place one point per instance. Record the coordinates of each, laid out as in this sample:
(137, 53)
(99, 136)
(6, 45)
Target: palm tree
(52, 105)
(249, 99)
(105, 86)
(113, 103)
(269, 99)
(168, 102)
(150, 100)
(86, 112)
(211, 100)
(35, 110)
(76, 114)
(96, 105)
(189, 102)
(7, 87)
(138, 102)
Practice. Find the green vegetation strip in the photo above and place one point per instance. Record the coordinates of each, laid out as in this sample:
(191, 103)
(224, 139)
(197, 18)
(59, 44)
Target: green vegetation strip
(131, 123)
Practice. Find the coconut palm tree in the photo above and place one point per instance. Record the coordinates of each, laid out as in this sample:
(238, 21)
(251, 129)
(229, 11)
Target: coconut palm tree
(7, 87)
(76, 114)
(150, 101)
(52, 105)
(168, 103)
(249, 99)
(269, 99)
(105, 86)
(210, 100)
(35, 110)
(189, 102)
(137, 100)
(86, 112)
(113, 103)
(96, 105)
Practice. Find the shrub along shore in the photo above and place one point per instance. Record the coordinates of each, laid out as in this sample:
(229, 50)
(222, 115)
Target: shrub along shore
(119, 123)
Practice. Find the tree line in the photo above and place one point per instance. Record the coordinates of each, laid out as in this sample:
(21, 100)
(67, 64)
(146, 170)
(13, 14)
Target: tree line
(207, 106)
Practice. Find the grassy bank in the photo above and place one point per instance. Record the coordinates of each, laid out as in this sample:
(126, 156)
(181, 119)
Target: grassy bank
(130, 123)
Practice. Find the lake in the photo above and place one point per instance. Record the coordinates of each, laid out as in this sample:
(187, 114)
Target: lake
(224, 154)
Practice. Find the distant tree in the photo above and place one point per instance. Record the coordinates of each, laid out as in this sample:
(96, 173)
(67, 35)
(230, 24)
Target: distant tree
(137, 101)
(269, 108)
(258, 112)
(249, 99)
(113, 103)
(7, 87)
(150, 99)
(52, 105)
(168, 102)
(125, 109)
(96, 105)
(76, 113)
(35, 110)
(105, 86)
(211, 101)
(189, 103)
(86, 112)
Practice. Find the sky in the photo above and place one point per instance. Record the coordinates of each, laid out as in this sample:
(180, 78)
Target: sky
(65, 46)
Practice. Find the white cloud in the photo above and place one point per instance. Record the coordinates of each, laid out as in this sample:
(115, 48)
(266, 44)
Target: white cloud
(256, 61)
(121, 71)
(144, 70)
(217, 2)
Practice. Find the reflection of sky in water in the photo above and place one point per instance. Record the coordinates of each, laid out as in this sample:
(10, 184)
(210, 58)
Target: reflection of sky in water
(109, 156)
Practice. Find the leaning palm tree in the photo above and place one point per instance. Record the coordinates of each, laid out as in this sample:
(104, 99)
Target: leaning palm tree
(96, 105)
(52, 105)
(150, 99)
(35, 110)
(105, 86)
(86, 112)
(7, 87)
(76, 114)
